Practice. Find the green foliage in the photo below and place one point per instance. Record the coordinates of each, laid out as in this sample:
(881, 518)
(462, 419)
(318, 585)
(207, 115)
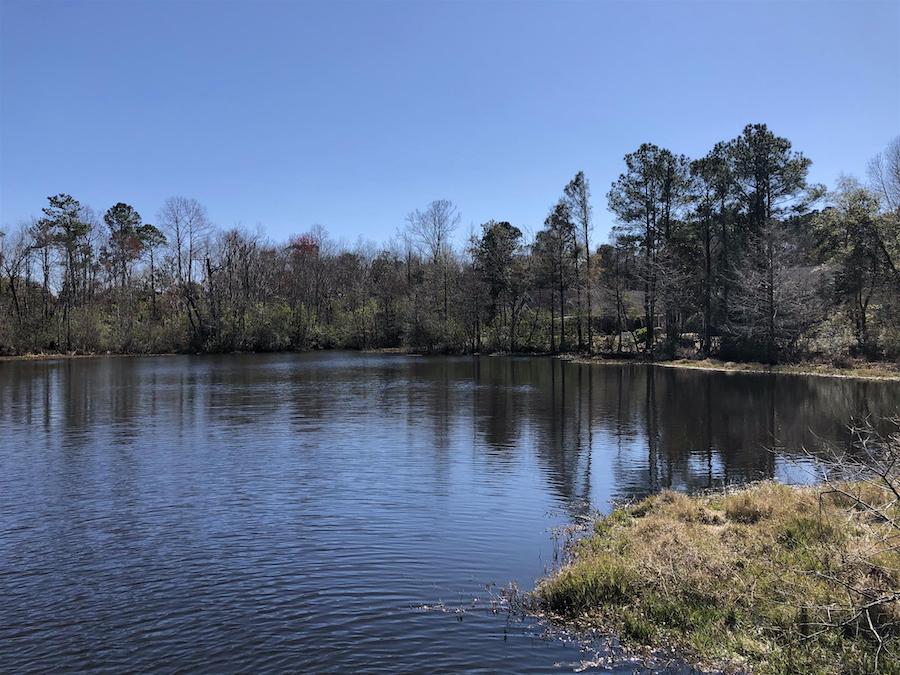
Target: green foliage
(640, 334)
(850, 236)
(270, 327)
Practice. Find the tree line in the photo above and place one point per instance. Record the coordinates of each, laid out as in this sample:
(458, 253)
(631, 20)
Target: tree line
(733, 255)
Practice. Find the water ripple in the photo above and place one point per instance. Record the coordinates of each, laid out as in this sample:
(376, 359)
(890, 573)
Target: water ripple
(297, 512)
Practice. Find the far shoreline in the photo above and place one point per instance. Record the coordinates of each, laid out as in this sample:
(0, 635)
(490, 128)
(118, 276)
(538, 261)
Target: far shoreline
(866, 370)
(863, 370)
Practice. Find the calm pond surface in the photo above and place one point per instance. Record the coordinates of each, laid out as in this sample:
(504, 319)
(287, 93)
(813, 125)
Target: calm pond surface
(298, 512)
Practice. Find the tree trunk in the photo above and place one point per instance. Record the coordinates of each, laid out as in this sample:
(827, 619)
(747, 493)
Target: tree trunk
(649, 291)
(725, 271)
(707, 290)
(587, 287)
(152, 286)
(562, 314)
(552, 324)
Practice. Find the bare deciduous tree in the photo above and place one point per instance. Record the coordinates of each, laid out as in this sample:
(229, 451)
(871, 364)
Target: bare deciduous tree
(185, 222)
(884, 174)
(864, 478)
(431, 229)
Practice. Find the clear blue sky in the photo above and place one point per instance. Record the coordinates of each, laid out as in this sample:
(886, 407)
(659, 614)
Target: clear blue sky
(350, 114)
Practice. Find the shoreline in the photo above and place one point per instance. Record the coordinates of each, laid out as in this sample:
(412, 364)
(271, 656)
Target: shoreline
(754, 578)
(864, 370)
(868, 370)
(69, 357)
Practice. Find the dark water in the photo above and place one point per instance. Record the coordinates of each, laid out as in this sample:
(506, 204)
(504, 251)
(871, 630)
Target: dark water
(296, 512)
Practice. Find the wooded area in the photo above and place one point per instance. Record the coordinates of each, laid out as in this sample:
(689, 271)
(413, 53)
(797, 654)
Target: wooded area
(733, 255)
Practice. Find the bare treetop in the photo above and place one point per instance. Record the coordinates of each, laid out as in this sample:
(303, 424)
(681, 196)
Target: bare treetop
(884, 174)
(432, 228)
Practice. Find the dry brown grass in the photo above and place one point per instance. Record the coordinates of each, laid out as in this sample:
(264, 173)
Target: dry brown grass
(862, 370)
(770, 578)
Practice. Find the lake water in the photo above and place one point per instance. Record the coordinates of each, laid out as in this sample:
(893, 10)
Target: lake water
(341, 511)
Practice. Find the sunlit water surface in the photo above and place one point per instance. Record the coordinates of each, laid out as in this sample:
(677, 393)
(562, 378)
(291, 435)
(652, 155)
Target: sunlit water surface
(345, 512)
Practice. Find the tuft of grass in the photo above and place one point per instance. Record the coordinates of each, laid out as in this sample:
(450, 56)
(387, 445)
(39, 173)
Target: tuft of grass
(769, 578)
(748, 506)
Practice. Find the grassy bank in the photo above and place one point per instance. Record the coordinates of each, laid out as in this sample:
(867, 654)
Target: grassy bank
(865, 370)
(56, 356)
(860, 370)
(771, 579)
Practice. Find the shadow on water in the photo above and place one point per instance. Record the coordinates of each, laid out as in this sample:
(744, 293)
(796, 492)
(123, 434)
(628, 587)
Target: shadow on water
(294, 512)
(648, 428)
